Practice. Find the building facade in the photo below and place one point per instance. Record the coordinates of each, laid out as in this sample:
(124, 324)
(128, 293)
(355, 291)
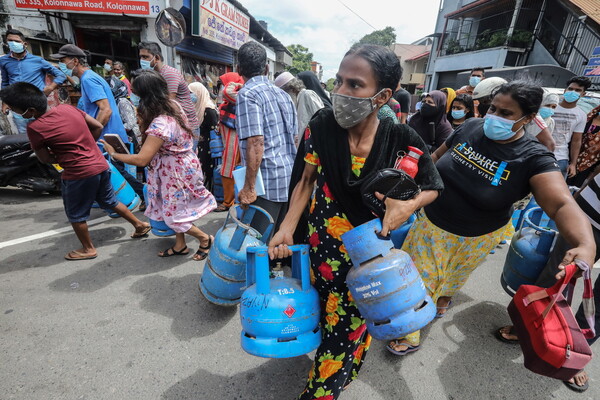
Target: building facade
(496, 34)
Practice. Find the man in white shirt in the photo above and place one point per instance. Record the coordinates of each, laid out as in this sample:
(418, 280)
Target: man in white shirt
(570, 123)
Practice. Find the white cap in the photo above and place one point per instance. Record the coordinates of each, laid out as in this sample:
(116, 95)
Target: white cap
(487, 86)
(283, 78)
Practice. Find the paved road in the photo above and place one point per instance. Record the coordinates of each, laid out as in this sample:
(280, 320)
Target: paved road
(130, 325)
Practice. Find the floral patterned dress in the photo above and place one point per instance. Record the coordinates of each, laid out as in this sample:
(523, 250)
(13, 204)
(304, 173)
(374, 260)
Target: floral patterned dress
(176, 192)
(345, 340)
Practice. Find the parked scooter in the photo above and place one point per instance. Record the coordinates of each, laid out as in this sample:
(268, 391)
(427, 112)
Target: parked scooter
(20, 167)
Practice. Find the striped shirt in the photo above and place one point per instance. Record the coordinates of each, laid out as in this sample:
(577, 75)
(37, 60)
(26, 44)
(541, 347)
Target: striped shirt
(589, 201)
(264, 109)
(178, 86)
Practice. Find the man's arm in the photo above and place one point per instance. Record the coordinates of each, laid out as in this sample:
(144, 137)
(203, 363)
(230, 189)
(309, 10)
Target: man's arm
(43, 154)
(574, 153)
(59, 77)
(4, 73)
(104, 111)
(249, 128)
(94, 126)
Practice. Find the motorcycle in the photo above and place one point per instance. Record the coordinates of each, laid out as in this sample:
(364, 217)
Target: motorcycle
(20, 167)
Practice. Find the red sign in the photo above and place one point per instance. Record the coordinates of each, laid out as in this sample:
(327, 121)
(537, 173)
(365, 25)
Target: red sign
(92, 6)
(289, 311)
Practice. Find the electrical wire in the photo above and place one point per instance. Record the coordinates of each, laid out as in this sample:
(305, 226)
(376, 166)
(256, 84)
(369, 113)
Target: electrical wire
(358, 15)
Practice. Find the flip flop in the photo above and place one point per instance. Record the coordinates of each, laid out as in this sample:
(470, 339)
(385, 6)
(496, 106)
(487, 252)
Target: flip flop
(500, 337)
(79, 256)
(575, 387)
(202, 252)
(165, 253)
(410, 348)
(441, 315)
(137, 235)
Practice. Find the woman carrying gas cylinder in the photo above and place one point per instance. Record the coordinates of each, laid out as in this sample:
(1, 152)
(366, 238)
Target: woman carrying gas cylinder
(342, 149)
(487, 165)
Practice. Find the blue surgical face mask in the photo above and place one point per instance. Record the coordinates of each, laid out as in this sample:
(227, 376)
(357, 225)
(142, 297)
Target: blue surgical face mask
(146, 64)
(20, 117)
(63, 67)
(458, 114)
(571, 96)
(107, 67)
(135, 99)
(546, 112)
(498, 128)
(194, 97)
(474, 80)
(16, 47)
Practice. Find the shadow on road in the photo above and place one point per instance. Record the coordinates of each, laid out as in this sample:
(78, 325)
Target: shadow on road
(276, 379)
(483, 367)
(180, 300)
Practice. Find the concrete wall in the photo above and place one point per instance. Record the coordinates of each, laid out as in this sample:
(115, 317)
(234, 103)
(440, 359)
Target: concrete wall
(488, 58)
(539, 55)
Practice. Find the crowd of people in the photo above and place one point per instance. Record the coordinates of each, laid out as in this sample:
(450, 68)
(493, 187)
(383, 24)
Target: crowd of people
(485, 146)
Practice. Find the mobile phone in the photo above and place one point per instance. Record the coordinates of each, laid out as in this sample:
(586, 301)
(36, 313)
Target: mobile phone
(115, 141)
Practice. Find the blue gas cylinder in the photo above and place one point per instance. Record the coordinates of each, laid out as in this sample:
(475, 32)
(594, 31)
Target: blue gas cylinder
(529, 250)
(518, 215)
(280, 316)
(159, 228)
(123, 191)
(399, 235)
(215, 145)
(224, 277)
(386, 286)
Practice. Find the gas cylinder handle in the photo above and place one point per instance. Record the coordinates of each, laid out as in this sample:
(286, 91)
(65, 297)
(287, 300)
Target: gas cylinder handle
(301, 265)
(244, 225)
(257, 269)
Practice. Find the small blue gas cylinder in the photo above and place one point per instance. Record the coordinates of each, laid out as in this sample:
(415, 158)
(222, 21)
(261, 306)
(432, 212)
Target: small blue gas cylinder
(386, 286)
(529, 250)
(123, 191)
(399, 235)
(159, 228)
(280, 316)
(224, 277)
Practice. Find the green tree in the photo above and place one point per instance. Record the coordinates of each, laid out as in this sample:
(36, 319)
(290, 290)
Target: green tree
(330, 84)
(383, 37)
(301, 59)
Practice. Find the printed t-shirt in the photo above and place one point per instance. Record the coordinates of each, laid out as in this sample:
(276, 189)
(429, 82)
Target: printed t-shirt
(94, 88)
(63, 129)
(566, 121)
(483, 179)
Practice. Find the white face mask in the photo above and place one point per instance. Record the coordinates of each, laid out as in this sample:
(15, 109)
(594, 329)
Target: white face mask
(349, 111)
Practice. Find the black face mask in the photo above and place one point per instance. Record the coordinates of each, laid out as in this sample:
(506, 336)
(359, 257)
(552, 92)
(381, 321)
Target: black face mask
(428, 111)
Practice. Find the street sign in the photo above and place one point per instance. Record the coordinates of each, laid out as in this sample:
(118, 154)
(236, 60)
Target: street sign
(593, 66)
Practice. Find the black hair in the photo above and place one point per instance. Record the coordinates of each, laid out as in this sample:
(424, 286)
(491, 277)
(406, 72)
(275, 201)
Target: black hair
(384, 62)
(252, 59)
(23, 95)
(478, 69)
(467, 100)
(109, 58)
(153, 91)
(581, 81)
(15, 32)
(528, 95)
(152, 47)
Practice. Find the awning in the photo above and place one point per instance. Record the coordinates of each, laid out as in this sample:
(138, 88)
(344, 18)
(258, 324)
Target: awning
(476, 9)
(418, 56)
(206, 50)
(591, 8)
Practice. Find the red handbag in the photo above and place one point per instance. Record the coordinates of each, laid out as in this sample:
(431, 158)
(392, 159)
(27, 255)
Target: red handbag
(553, 344)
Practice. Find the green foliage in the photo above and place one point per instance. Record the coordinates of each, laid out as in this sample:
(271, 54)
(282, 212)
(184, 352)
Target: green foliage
(383, 37)
(330, 84)
(488, 39)
(453, 47)
(301, 59)
(521, 38)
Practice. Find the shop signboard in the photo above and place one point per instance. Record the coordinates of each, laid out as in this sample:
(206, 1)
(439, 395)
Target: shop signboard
(149, 8)
(593, 66)
(220, 22)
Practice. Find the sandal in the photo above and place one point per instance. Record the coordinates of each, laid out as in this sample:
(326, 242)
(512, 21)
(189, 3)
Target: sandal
(182, 252)
(499, 335)
(202, 252)
(401, 342)
(76, 255)
(142, 233)
(575, 387)
(221, 208)
(439, 314)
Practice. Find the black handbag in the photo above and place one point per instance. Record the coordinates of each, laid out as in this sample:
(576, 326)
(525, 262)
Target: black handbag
(392, 183)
